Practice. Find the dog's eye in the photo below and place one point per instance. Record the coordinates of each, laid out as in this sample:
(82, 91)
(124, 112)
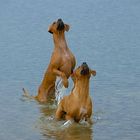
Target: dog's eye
(54, 22)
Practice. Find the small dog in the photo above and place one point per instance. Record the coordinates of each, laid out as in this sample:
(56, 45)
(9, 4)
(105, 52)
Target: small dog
(61, 64)
(78, 105)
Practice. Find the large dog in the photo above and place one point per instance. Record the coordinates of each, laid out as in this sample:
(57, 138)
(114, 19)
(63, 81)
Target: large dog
(61, 64)
(77, 105)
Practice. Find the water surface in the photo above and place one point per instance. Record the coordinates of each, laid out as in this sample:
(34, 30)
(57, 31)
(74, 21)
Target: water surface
(104, 33)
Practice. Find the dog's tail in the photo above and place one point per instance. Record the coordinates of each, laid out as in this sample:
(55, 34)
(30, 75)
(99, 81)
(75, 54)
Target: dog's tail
(27, 95)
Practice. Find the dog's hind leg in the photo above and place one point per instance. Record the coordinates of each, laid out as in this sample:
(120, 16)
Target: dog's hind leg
(59, 113)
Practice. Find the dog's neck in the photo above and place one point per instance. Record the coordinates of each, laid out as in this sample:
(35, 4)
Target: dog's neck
(60, 41)
(81, 88)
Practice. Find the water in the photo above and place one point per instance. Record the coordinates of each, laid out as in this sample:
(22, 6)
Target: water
(104, 33)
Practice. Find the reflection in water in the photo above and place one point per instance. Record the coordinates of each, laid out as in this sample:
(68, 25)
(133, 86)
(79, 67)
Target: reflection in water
(52, 129)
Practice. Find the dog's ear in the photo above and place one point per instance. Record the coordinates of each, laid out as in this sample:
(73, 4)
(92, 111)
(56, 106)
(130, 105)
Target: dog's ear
(73, 76)
(50, 30)
(93, 72)
(67, 27)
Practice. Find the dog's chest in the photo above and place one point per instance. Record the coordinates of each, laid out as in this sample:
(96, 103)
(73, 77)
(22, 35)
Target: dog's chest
(67, 59)
(66, 54)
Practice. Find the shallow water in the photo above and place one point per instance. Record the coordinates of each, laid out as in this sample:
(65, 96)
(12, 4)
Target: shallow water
(104, 33)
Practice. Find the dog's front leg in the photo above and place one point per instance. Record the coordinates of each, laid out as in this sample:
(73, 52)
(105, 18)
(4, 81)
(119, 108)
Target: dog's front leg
(63, 76)
(59, 113)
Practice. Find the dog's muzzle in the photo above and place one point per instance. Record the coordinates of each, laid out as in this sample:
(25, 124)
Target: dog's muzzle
(85, 69)
(60, 25)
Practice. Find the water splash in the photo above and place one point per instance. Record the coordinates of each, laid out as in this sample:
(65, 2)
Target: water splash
(67, 123)
(59, 90)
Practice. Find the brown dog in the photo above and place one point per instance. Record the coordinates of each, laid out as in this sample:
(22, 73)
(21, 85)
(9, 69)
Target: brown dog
(78, 104)
(61, 64)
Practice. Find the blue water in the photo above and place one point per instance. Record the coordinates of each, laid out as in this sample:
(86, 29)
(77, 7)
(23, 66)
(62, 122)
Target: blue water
(104, 33)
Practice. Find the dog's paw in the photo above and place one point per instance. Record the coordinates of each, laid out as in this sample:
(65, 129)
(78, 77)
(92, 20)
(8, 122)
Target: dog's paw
(65, 83)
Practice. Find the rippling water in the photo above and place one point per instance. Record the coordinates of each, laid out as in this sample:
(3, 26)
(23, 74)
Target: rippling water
(104, 33)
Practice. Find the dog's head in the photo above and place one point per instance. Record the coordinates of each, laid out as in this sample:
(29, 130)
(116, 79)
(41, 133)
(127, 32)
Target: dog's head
(83, 71)
(58, 26)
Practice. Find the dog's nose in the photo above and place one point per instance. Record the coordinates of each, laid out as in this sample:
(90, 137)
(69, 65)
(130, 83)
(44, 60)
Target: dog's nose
(60, 20)
(61, 25)
(85, 69)
(84, 63)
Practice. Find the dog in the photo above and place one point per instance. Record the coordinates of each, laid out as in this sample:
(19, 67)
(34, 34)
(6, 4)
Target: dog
(62, 62)
(78, 105)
